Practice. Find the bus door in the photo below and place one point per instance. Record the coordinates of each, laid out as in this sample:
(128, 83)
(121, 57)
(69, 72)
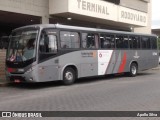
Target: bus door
(48, 62)
(89, 64)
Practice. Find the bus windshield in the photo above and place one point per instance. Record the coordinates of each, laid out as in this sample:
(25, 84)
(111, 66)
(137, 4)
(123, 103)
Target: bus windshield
(22, 46)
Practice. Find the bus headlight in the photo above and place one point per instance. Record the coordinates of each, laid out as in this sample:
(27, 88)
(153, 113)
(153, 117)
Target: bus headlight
(30, 79)
(29, 70)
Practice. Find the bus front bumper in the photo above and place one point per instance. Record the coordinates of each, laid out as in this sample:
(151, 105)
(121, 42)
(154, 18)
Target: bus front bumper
(19, 78)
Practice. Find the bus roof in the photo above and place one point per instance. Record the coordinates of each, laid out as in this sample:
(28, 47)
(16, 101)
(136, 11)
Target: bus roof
(41, 26)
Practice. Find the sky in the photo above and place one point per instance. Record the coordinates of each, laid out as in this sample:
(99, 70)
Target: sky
(155, 13)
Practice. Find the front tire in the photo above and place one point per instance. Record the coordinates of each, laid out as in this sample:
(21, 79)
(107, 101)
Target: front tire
(69, 76)
(133, 70)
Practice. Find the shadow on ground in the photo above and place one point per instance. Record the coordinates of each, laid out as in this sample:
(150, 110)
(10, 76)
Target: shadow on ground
(87, 80)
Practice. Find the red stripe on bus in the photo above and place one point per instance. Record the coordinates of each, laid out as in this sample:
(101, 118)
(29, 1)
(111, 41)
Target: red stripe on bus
(123, 63)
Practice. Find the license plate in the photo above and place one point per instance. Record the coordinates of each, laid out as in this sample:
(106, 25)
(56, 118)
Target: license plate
(17, 81)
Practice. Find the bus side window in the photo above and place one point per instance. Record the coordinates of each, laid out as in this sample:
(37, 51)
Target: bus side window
(96, 41)
(122, 41)
(153, 42)
(48, 43)
(125, 42)
(104, 42)
(145, 41)
(130, 42)
(107, 41)
(89, 40)
(70, 40)
(134, 42)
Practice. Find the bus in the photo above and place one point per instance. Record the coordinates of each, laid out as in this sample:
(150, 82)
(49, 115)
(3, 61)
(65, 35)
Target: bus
(49, 52)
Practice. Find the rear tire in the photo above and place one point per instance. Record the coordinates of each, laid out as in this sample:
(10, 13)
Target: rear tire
(69, 76)
(133, 70)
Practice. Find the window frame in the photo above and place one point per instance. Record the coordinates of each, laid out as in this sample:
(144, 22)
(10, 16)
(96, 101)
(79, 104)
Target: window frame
(57, 39)
(124, 35)
(105, 33)
(155, 38)
(96, 34)
(147, 48)
(66, 30)
(139, 39)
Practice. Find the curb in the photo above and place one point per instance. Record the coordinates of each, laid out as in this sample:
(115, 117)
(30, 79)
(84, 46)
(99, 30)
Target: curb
(3, 84)
(157, 68)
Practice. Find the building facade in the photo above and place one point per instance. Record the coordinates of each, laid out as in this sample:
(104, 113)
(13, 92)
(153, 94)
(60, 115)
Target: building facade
(125, 15)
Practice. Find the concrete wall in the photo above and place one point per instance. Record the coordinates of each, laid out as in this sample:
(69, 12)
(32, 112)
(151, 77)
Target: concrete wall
(54, 6)
(29, 7)
(2, 64)
(88, 10)
(140, 5)
(147, 29)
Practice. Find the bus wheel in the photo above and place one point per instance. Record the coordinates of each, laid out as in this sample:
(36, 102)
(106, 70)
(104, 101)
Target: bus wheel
(69, 76)
(133, 70)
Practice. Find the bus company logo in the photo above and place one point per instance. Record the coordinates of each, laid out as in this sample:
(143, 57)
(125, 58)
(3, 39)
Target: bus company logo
(88, 54)
(6, 114)
(154, 53)
(100, 55)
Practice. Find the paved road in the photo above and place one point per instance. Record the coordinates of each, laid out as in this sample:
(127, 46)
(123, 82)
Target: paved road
(118, 93)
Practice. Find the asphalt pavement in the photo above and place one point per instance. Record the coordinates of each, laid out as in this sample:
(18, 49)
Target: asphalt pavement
(109, 93)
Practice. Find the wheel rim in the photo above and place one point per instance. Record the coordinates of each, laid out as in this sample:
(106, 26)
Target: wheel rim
(69, 76)
(134, 70)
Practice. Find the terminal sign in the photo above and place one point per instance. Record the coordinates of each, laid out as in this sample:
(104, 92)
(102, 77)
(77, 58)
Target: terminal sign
(92, 7)
(99, 9)
(133, 16)
(127, 15)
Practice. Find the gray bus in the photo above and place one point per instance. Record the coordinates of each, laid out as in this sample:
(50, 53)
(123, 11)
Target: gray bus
(40, 53)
